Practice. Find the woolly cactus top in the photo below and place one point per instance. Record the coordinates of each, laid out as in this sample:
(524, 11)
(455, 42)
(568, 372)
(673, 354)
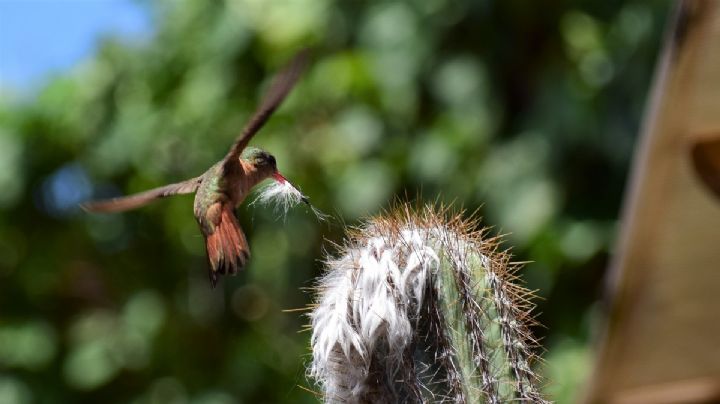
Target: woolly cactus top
(419, 307)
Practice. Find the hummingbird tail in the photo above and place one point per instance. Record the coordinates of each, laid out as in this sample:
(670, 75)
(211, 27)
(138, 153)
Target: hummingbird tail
(227, 248)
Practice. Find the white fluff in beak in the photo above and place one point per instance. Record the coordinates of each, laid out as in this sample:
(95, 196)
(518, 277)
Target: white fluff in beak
(283, 195)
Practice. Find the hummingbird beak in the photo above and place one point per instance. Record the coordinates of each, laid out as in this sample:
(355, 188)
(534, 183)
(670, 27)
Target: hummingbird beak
(279, 178)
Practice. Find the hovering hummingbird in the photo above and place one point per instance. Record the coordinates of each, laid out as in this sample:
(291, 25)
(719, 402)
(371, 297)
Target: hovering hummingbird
(225, 185)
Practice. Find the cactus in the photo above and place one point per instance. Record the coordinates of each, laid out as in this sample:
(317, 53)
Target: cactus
(420, 307)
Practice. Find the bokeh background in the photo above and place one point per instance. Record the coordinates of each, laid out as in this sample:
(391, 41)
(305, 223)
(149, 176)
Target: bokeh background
(527, 111)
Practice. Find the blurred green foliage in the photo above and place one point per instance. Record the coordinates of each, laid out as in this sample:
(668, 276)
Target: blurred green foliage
(527, 110)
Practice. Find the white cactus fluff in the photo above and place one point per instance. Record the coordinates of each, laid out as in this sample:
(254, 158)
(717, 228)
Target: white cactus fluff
(419, 308)
(283, 196)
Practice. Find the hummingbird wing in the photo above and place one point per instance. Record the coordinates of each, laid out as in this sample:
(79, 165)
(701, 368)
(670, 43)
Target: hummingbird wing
(279, 89)
(123, 203)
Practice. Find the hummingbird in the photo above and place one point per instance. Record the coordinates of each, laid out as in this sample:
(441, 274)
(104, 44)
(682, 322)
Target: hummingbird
(224, 186)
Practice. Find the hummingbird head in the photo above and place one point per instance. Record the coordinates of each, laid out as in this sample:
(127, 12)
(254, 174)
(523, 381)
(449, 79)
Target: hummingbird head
(264, 163)
(282, 190)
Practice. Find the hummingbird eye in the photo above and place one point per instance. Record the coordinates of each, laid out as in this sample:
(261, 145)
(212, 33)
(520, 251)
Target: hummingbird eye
(265, 159)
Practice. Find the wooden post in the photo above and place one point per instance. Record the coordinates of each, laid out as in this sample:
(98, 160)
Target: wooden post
(661, 338)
